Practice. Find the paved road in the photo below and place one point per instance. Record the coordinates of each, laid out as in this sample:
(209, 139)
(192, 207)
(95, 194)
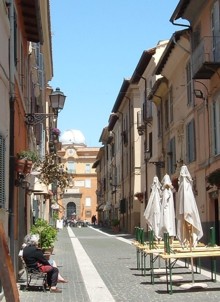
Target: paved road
(101, 267)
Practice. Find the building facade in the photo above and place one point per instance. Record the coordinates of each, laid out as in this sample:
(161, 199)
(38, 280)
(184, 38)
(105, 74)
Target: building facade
(78, 200)
(174, 120)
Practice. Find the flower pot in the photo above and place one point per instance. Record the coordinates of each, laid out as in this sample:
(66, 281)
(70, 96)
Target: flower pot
(115, 228)
(20, 165)
(28, 167)
(55, 137)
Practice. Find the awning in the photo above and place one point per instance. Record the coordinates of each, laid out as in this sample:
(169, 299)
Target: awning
(55, 206)
(100, 207)
(107, 207)
(40, 188)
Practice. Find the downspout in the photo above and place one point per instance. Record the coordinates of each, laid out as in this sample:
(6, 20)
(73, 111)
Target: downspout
(130, 167)
(130, 161)
(122, 162)
(11, 147)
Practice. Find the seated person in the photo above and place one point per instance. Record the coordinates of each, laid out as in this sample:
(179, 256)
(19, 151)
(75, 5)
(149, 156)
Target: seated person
(51, 261)
(34, 258)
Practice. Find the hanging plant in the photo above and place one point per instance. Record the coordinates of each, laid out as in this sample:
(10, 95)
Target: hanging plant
(56, 131)
(214, 178)
(53, 172)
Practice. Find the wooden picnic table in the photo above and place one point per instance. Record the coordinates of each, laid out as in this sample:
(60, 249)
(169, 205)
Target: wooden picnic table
(195, 253)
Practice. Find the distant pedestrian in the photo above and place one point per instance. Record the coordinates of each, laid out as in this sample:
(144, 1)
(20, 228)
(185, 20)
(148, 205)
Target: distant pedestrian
(94, 219)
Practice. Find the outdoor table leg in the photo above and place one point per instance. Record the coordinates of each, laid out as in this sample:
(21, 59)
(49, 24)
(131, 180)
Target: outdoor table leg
(152, 268)
(169, 276)
(138, 259)
(213, 269)
(167, 281)
(142, 261)
(145, 255)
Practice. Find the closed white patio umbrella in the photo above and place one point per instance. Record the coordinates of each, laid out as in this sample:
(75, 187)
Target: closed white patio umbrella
(189, 229)
(152, 211)
(167, 216)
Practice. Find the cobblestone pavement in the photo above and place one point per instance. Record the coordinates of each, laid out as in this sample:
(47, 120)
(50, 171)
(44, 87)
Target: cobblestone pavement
(115, 261)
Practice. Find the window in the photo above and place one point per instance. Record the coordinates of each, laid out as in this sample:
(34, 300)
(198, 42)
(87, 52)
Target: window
(88, 202)
(215, 29)
(216, 126)
(196, 37)
(171, 156)
(88, 183)
(88, 214)
(190, 141)
(71, 167)
(88, 169)
(2, 171)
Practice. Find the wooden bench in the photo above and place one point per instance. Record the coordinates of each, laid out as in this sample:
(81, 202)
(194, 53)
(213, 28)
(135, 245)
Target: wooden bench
(34, 278)
(196, 253)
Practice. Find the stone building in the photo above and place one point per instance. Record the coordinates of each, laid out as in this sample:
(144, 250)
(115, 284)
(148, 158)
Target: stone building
(79, 199)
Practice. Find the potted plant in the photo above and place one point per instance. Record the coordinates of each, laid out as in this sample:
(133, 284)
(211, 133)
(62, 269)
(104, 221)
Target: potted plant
(47, 234)
(115, 225)
(20, 165)
(27, 157)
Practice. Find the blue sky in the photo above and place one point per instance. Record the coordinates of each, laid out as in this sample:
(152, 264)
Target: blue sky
(96, 44)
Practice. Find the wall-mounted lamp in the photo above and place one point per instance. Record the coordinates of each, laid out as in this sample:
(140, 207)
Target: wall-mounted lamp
(159, 164)
(140, 123)
(199, 94)
(57, 100)
(21, 182)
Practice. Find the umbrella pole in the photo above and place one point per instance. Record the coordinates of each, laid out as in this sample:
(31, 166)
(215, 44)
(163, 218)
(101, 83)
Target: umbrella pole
(190, 244)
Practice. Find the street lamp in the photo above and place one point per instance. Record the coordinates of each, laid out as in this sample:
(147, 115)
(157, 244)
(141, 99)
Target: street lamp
(57, 100)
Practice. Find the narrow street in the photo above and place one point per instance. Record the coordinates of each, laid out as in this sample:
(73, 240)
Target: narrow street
(101, 266)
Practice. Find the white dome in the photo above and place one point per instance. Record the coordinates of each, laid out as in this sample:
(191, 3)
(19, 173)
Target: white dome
(72, 136)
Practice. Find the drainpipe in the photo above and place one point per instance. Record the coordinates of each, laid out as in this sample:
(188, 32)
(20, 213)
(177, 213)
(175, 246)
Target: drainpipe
(11, 148)
(130, 166)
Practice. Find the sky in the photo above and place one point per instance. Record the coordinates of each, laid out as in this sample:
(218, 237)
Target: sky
(96, 44)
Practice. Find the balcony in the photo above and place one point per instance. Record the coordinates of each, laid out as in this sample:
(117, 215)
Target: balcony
(206, 58)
